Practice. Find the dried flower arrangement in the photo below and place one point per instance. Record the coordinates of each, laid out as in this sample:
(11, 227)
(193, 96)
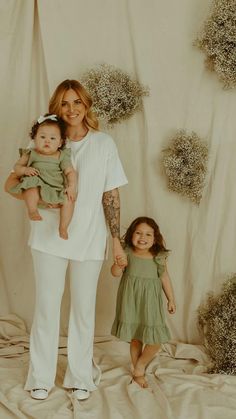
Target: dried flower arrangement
(218, 40)
(217, 322)
(116, 96)
(185, 163)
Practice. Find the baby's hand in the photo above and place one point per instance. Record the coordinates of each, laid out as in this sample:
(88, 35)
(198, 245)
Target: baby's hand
(121, 261)
(71, 193)
(31, 171)
(171, 307)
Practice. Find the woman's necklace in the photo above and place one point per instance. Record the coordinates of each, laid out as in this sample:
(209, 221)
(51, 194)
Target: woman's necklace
(81, 136)
(78, 136)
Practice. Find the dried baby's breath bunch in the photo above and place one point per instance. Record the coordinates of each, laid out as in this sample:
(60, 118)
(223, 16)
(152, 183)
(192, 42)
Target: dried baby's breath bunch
(116, 96)
(217, 322)
(185, 163)
(218, 41)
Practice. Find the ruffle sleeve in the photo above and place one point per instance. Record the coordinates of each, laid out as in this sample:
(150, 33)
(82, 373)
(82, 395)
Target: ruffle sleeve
(65, 158)
(160, 260)
(24, 151)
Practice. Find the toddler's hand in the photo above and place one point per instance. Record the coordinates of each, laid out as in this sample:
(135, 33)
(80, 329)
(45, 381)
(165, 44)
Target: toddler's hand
(121, 261)
(31, 171)
(171, 307)
(71, 193)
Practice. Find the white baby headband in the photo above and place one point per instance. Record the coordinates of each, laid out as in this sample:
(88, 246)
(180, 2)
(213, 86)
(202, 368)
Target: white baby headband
(44, 118)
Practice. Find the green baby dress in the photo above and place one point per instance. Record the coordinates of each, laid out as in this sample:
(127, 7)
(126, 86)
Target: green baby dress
(51, 179)
(139, 307)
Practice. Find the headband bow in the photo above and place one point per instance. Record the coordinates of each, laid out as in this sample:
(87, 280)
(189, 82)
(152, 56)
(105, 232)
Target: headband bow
(44, 118)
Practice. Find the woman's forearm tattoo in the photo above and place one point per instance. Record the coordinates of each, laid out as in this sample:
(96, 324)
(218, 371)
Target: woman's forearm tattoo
(111, 206)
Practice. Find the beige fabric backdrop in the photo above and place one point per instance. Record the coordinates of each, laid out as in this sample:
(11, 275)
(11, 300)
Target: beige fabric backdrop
(46, 41)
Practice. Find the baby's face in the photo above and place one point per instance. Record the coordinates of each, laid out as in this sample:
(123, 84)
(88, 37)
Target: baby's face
(48, 139)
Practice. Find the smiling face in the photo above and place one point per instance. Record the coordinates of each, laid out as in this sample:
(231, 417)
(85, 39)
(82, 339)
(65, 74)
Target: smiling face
(72, 109)
(48, 139)
(143, 237)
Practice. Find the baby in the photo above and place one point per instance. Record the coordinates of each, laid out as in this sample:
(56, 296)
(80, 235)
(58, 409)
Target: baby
(47, 173)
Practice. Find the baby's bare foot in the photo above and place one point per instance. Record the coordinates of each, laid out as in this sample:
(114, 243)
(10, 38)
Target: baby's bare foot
(63, 233)
(34, 215)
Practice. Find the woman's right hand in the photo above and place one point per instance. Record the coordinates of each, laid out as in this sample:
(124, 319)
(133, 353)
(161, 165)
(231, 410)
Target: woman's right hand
(31, 171)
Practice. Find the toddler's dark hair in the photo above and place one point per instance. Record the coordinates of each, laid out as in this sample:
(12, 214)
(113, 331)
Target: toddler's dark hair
(57, 121)
(158, 245)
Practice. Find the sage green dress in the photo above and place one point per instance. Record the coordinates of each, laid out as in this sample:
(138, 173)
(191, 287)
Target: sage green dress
(51, 180)
(139, 307)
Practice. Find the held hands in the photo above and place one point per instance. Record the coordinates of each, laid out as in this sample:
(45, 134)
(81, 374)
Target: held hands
(121, 261)
(119, 257)
(31, 171)
(171, 307)
(118, 251)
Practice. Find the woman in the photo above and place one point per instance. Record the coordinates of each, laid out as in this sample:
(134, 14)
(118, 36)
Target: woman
(95, 157)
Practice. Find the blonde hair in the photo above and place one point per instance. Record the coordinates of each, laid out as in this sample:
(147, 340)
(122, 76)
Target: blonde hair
(55, 103)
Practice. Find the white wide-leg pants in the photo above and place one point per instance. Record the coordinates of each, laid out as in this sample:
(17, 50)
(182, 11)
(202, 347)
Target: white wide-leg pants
(50, 272)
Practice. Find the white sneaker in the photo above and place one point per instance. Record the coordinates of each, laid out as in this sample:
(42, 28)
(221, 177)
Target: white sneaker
(39, 393)
(80, 394)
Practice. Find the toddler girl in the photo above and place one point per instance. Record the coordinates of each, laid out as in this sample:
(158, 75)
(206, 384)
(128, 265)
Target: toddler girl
(47, 173)
(140, 316)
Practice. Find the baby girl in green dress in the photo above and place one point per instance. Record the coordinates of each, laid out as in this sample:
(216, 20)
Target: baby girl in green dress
(140, 317)
(46, 172)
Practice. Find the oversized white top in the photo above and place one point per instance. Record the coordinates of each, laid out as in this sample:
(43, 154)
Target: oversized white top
(96, 159)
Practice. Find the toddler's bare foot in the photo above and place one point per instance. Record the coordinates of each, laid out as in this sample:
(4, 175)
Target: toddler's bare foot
(63, 233)
(34, 215)
(139, 375)
(141, 380)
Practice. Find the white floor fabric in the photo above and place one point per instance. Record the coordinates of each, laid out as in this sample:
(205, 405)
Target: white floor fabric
(179, 387)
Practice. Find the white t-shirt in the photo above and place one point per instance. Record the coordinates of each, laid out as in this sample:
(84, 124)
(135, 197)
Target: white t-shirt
(96, 159)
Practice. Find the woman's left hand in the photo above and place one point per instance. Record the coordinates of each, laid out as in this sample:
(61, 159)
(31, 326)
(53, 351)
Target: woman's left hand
(121, 261)
(118, 251)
